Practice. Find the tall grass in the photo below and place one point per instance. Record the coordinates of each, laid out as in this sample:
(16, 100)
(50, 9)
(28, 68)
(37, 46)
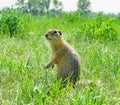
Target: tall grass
(24, 81)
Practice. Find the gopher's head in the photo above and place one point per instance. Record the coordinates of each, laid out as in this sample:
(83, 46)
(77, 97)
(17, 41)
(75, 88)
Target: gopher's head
(53, 35)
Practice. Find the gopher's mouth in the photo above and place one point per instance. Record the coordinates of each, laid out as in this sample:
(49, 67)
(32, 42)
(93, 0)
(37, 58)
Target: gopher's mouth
(48, 38)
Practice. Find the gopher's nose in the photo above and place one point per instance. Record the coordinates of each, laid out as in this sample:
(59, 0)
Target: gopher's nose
(46, 35)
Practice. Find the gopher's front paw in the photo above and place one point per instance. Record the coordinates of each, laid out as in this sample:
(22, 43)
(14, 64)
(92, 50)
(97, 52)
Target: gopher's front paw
(46, 67)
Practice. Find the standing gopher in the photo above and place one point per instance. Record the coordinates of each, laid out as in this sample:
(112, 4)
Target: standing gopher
(64, 56)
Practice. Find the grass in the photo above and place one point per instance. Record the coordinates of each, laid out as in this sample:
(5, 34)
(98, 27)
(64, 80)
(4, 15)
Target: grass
(24, 81)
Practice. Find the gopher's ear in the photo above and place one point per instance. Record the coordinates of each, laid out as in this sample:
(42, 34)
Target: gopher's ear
(60, 32)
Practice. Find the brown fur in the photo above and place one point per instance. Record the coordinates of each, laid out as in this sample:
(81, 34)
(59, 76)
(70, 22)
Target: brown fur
(64, 56)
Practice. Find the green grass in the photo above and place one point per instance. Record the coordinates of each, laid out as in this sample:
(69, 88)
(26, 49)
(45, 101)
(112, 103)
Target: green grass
(24, 81)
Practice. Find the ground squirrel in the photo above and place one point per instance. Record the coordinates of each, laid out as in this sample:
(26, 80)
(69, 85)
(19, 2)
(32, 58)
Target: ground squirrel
(64, 56)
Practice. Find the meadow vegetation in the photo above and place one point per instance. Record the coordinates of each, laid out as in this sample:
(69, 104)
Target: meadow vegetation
(24, 53)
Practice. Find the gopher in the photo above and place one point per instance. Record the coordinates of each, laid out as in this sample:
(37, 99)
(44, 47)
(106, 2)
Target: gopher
(64, 56)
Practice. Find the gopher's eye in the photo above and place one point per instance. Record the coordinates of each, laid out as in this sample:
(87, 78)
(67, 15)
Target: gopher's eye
(55, 32)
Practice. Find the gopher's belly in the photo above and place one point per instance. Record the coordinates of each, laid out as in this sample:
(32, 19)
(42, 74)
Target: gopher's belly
(68, 67)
